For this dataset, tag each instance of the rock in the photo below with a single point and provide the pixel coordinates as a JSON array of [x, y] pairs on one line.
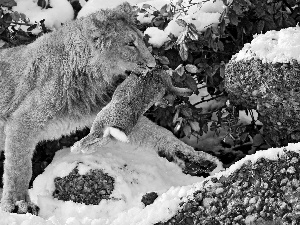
[[149, 198], [89, 188], [273, 90], [256, 193]]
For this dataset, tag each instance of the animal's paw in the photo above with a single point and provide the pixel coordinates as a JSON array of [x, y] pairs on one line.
[[199, 163], [20, 207], [192, 162]]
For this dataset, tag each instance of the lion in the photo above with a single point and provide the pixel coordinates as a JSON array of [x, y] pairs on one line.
[[60, 82]]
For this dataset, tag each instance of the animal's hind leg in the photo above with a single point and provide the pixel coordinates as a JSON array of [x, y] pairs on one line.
[[21, 138], [167, 145]]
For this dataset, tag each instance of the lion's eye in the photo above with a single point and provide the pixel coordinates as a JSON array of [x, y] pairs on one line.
[[95, 39], [131, 43]]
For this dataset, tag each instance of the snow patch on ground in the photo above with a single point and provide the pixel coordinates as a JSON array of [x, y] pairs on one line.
[[274, 46], [136, 171], [144, 165]]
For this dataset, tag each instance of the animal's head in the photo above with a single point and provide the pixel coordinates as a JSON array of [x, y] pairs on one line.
[[116, 43]]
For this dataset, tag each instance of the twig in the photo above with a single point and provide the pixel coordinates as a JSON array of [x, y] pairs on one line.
[[207, 100]]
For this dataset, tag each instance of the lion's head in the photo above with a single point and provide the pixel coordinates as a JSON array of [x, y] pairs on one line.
[[116, 44]]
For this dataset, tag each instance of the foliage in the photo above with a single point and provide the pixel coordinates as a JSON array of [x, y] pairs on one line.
[[15, 27], [195, 58], [199, 58]]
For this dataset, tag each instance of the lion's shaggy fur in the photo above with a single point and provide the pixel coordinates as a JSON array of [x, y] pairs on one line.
[[58, 84]]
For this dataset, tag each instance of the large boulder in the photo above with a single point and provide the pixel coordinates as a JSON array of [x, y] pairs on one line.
[[260, 189], [265, 75]]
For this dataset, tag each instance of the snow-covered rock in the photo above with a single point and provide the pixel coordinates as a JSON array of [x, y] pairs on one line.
[[264, 76], [260, 189]]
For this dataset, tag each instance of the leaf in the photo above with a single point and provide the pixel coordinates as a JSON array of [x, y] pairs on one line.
[[191, 68], [183, 51], [220, 45], [233, 19], [213, 126], [244, 137], [207, 33], [214, 46], [205, 128], [7, 18], [194, 125], [222, 69], [179, 2], [32, 27], [237, 8], [193, 35], [23, 16], [181, 22], [180, 70], [214, 30], [187, 130], [165, 9], [260, 26], [146, 6], [222, 27], [181, 38], [15, 16], [191, 83], [163, 60], [8, 3], [187, 112], [168, 44], [42, 3]]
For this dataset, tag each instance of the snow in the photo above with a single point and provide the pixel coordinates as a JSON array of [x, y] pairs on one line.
[[60, 12], [144, 167], [203, 15], [274, 46], [145, 172], [157, 37]]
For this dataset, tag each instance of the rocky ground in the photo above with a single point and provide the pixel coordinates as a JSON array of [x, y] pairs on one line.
[[264, 192]]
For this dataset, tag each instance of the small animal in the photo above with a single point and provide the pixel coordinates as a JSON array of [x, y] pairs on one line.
[[131, 99]]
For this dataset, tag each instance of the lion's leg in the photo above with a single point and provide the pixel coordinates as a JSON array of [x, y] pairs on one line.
[[167, 145], [22, 131], [2, 138]]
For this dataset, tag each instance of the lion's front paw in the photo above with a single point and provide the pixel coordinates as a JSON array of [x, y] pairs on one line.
[[20, 207]]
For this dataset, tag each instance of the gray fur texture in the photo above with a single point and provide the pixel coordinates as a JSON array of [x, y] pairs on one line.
[[131, 99]]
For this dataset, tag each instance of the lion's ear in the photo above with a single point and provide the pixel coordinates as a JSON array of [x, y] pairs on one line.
[[125, 8]]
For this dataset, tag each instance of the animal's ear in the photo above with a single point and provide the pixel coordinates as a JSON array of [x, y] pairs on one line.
[[116, 133], [125, 8]]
